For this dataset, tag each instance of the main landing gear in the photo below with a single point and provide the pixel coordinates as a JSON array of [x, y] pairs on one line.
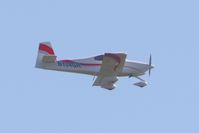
[[142, 82]]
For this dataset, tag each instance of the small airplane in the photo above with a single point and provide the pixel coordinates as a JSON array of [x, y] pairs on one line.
[[107, 67]]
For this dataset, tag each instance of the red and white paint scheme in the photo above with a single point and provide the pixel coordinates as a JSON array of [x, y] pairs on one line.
[[107, 67]]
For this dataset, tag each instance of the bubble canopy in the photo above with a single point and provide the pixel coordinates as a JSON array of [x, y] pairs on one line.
[[99, 57]]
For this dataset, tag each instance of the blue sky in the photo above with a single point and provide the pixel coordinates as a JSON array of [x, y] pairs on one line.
[[38, 101]]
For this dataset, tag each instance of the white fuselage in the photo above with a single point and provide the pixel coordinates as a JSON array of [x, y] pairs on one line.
[[92, 67]]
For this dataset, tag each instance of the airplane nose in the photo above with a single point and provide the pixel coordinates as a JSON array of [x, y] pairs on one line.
[[152, 66], [147, 66]]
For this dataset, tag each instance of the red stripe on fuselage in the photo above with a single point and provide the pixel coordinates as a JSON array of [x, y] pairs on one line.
[[67, 61], [83, 64], [46, 48]]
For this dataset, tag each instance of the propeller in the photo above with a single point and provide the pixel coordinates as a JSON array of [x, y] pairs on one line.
[[150, 64]]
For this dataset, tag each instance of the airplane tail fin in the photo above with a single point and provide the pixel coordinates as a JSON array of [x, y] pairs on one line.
[[45, 55]]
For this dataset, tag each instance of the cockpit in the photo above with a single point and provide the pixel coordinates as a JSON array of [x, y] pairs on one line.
[[99, 57]]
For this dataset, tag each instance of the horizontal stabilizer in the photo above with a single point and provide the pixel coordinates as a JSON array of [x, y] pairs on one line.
[[49, 59]]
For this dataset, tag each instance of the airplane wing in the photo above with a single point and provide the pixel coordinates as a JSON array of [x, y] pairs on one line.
[[112, 64]]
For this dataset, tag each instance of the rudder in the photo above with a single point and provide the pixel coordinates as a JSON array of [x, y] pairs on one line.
[[45, 54]]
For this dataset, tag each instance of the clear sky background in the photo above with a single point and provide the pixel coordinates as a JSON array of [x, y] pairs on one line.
[[39, 101]]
